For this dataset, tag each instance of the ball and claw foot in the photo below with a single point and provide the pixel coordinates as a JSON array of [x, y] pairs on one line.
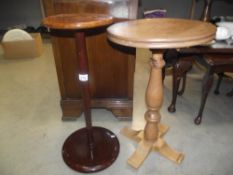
[[171, 108], [197, 120]]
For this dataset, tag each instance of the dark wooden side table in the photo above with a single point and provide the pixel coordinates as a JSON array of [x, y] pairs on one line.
[[157, 35], [89, 149]]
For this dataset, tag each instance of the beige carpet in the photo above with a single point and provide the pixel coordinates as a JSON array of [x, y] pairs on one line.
[[32, 133]]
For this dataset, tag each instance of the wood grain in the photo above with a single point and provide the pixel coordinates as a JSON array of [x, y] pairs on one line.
[[77, 21], [108, 62], [161, 33], [158, 34]]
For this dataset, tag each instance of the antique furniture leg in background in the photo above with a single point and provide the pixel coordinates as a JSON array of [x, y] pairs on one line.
[[206, 86], [180, 68], [220, 77]]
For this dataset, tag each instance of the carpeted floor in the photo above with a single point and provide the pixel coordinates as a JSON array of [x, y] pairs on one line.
[[32, 133]]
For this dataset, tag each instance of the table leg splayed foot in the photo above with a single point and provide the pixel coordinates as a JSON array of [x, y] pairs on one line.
[[151, 138]]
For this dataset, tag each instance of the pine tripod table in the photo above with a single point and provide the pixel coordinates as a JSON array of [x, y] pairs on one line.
[[157, 35], [89, 149]]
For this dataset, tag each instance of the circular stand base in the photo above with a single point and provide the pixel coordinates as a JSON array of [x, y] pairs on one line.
[[80, 156]]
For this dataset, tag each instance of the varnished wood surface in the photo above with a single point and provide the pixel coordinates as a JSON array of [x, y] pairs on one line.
[[106, 60], [161, 33], [118, 8], [158, 34], [79, 156], [77, 21]]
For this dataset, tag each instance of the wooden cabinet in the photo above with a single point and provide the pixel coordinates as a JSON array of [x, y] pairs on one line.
[[111, 66]]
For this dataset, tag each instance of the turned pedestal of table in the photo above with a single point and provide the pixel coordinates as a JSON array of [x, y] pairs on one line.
[[157, 35], [89, 149]]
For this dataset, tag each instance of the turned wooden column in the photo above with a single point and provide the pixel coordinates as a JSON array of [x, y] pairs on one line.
[[154, 97]]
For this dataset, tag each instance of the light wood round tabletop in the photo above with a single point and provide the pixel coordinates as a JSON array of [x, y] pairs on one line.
[[77, 21], [161, 33]]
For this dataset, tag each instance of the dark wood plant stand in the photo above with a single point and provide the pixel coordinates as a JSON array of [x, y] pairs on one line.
[[89, 149]]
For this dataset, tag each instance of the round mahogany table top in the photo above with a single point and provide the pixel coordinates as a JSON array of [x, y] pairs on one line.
[[159, 33], [77, 21]]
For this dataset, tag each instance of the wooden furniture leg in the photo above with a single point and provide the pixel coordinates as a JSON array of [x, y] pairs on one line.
[[176, 83], [180, 69], [151, 137], [207, 84], [216, 91], [181, 91], [220, 77]]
